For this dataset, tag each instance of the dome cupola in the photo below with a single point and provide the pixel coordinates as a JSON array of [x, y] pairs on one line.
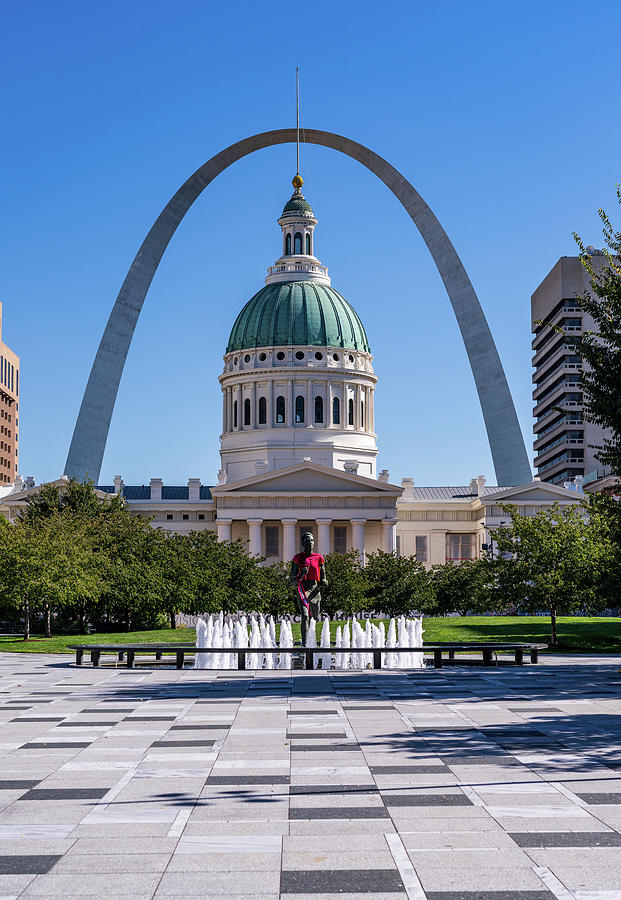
[[298, 380]]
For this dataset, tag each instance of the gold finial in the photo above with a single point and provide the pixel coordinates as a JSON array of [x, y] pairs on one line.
[[298, 181]]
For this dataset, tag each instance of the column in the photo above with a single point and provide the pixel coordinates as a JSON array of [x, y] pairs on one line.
[[224, 529], [329, 398], [389, 528], [289, 543], [229, 401], [372, 410], [357, 536], [344, 409], [240, 412], [254, 418], [357, 422], [224, 412], [323, 536], [254, 547], [271, 413], [310, 405]]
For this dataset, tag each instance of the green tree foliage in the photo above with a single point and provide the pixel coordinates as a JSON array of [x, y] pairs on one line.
[[347, 585], [554, 562], [600, 349], [398, 585], [463, 588]]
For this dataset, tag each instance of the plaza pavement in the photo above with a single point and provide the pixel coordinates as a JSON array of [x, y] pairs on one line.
[[494, 784]]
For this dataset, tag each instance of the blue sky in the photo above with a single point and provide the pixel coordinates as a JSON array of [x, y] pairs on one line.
[[504, 117]]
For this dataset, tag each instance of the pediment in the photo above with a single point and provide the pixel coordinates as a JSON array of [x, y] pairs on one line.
[[308, 478], [534, 492]]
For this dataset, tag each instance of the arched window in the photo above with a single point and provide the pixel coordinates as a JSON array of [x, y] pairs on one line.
[[262, 411], [246, 411], [336, 411], [234, 413], [318, 409], [350, 408], [288, 245], [308, 245], [362, 413], [280, 410], [297, 243], [299, 409]]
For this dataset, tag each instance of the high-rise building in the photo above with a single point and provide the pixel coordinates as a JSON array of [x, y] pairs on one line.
[[9, 411], [563, 439]]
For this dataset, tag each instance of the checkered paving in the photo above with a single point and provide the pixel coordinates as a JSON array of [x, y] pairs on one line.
[[459, 784]]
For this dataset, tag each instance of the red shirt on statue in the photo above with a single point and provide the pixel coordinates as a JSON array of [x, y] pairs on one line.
[[314, 563]]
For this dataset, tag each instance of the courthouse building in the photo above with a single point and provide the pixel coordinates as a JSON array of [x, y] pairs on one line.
[[298, 441]]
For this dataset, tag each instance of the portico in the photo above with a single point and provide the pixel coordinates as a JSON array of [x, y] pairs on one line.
[[343, 511]]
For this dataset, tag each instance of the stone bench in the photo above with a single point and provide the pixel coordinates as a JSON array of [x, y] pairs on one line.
[[128, 651]]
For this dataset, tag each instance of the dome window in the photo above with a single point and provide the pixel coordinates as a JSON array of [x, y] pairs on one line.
[[318, 355], [235, 414], [247, 358], [297, 244], [288, 245], [350, 358], [262, 411], [280, 355], [336, 411], [262, 356], [318, 410], [280, 410], [308, 245], [299, 410], [335, 357], [246, 411], [362, 414], [350, 411], [299, 355], [235, 361]]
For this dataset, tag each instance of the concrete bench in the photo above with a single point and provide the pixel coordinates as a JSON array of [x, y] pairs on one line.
[[128, 652]]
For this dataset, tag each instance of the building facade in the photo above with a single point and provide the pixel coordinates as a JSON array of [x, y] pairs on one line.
[[9, 412], [563, 439], [298, 442]]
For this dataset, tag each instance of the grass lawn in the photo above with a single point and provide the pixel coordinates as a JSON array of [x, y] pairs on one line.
[[579, 634]]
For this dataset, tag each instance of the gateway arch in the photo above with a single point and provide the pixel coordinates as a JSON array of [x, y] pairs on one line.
[[503, 430]]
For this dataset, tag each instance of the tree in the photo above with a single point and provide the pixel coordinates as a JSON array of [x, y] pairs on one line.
[[464, 587], [347, 585], [555, 561], [397, 585]]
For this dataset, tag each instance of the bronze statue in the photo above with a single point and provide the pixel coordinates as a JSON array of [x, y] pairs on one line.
[[308, 573]]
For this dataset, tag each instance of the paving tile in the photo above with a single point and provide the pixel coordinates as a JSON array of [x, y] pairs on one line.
[[341, 881], [567, 839], [65, 794], [26, 864], [335, 812], [601, 798]]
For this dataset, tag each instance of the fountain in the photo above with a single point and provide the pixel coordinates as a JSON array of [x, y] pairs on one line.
[[220, 633]]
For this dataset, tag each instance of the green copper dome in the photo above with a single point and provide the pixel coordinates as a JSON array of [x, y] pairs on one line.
[[297, 205], [293, 313]]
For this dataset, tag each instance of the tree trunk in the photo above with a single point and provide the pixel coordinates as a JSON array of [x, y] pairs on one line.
[[553, 627], [48, 620], [82, 618], [26, 621], [173, 618]]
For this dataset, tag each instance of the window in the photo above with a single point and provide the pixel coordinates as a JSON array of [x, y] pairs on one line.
[[459, 547], [280, 410], [185, 517], [271, 540], [288, 245], [350, 407], [340, 538], [247, 411], [308, 245], [299, 409], [318, 409], [234, 413], [336, 411], [262, 411], [362, 413], [299, 355], [201, 516], [169, 516], [421, 548], [297, 244]]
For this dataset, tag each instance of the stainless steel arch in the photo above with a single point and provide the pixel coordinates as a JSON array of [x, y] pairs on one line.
[[93, 422]]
